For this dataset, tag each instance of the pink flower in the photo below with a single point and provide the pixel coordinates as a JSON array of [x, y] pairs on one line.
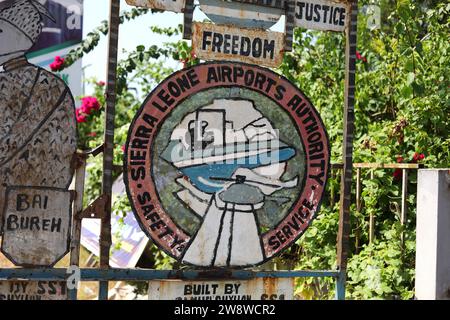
[[122, 148], [57, 64], [417, 157], [88, 104], [399, 159], [80, 115], [101, 83], [360, 57], [398, 173], [92, 134]]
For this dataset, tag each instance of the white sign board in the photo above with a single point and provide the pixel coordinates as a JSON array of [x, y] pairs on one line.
[[167, 5], [33, 290], [256, 289], [325, 15], [36, 226], [221, 42]]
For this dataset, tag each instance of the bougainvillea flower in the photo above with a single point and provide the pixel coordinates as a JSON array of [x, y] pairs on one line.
[[88, 104], [398, 174], [417, 157], [360, 57], [57, 64], [80, 115]]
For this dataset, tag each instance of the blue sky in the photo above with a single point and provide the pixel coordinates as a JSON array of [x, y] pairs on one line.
[[132, 33]]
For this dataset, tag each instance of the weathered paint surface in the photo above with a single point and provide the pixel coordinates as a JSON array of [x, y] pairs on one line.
[[256, 289], [36, 225], [168, 5], [221, 42], [214, 147], [33, 290], [326, 15], [241, 14], [37, 119]]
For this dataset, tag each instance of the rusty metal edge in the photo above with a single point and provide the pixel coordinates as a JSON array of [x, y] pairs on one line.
[[112, 274], [108, 152], [349, 128]]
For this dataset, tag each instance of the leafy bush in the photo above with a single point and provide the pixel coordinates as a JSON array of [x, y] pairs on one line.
[[402, 111]]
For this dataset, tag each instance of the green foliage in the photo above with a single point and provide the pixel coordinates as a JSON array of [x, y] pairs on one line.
[[402, 108]]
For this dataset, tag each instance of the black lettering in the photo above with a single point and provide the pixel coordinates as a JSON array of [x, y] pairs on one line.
[[174, 90], [238, 72], [226, 73], [165, 97], [193, 77], [226, 43], [34, 221], [274, 243], [41, 288], [144, 198], [260, 80], [45, 224], [22, 202], [11, 223], [256, 47], [316, 12], [299, 14], [217, 42], [342, 17], [325, 12], [212, 75], [206, 42], [280, 92], [159, 107], [245, 47], [157, 225], [235, 44], [138, 173], [56, 225], [249, 77], [269, 49], [287, 231], [150, 120], [309, 12]]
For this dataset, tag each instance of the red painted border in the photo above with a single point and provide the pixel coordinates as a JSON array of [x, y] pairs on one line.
[[142, 191]]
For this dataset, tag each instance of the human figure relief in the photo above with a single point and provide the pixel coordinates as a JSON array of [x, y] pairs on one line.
[[37, 118]]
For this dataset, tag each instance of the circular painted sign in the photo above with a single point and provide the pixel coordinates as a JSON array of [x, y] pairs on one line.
[[226, 164]]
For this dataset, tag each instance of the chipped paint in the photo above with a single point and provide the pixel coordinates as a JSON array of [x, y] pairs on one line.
[[33, 290], [224, 42], [37, 225], [168, 5], [255, 289]]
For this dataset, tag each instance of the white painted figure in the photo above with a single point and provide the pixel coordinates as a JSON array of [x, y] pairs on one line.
[[232, 161], [37, 119]]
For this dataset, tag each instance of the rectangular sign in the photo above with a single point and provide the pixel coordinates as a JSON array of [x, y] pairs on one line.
[[325, 15], [167, 5], [256, 289], [221, 42], [33, 290]]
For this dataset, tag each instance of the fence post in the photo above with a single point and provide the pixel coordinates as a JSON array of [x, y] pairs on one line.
[[433, 235], [349, 127], [105, 235]]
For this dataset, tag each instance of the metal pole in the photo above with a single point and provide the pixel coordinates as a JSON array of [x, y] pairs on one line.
[[404, 201], [76, 229], [105, 236], [349, 117]]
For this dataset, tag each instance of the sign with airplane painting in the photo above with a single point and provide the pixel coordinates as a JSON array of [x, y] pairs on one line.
[[226, 164]]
